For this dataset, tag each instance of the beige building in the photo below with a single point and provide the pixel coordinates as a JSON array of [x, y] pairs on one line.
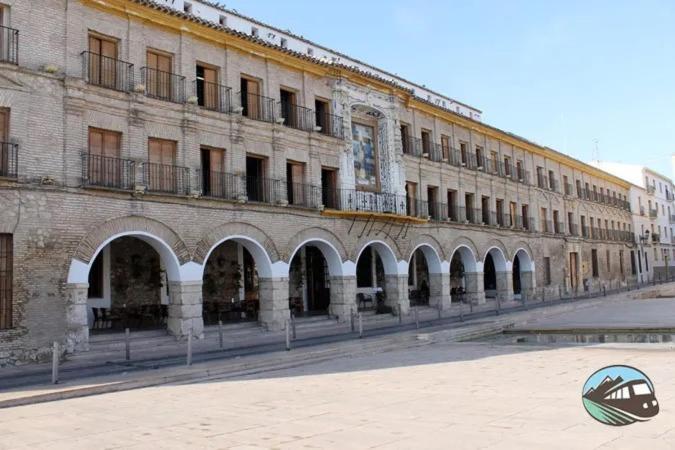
[[172, 166]]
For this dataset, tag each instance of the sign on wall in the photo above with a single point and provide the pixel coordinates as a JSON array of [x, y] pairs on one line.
[[365, 157]]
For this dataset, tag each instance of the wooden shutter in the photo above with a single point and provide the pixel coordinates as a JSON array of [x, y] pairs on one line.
[[158, 78], [6, 279], [105, 167], [161, 171], [253, 92], [211, 91], [217, 166]]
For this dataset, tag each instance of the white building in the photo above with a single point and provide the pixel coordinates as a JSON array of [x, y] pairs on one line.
[[652, 204]]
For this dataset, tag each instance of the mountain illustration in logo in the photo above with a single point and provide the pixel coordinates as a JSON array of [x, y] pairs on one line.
[[620, 395]]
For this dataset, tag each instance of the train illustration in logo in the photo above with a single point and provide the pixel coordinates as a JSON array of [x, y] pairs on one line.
[[620, 395]]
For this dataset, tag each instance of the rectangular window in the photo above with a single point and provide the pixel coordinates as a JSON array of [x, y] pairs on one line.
[[295, 184], [161, 171], [208, 90], [215, 182], [551, 180], [445, 146], [102, 63], [432, 202], [543, 218], [480, 162], [104, 165], [547, 271], [462, 151], [329, 193], [159, 81], [6, 280], [519, 171], [594, 263], [251, 100], [322, 116], [289, 109], [507, 166], [452, 205], [426, 142]]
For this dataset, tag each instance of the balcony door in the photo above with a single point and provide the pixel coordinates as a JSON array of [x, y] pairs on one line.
[[103, 162], [250, 98], [329, 192], [208, 92], [161, 170], [5, 147], [103, 62], [158, 78], [295, 183], [215, 182]]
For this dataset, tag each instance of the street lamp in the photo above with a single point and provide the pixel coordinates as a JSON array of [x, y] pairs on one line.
[[643, 238]]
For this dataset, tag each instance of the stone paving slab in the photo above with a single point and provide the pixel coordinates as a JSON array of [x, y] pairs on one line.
[[446, 395]]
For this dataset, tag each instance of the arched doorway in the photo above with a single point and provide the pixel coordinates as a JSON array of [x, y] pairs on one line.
[[466, 283], [232, 278], [378, 285], [523, 274], [308, 282], [418, 279], [128, 287], [497, 283]]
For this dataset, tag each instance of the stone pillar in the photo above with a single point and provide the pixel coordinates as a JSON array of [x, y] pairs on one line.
[[396, 291], [475, 291], [77, 323], [439, 290], [505, 286], [527, 284], [273, 294], [342, 297], [185, 309]]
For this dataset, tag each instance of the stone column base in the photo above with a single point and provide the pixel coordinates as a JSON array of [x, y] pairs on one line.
[[185, 309], [475, 292], [77, 323], [273, 294], [505, 286], [439, 290], [396, 290], [342, 298]]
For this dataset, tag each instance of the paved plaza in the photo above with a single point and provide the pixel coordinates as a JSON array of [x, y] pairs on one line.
[[455, 395]]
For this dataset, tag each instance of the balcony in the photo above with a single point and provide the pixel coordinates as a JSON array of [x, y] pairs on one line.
[[297, 117], [107, 172], [257, 107], [412, 146], [9, 160], [642, 211], [558, 227], [163, 85], [651, 189], [9, 45], [542, 182], [302, 195], [330, 125], [212, 96], [573, 229], [672, 218], [380, 202], [653, 213], [656, 238], [585, 231], [221, 185], [167, 179], [106, 72]]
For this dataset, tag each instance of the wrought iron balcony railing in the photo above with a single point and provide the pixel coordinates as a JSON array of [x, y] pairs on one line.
[[213, 96], [331, 125], [108, 172], [9, 160], [99, 70], [166, 178], [9, 45], [258, 107], [163, 85], [296, 116]]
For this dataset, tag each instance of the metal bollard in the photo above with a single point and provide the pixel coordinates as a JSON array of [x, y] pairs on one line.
[[220, 333], [417, 318], [288, 335], [351, 321], [55, 363], [440, 311], [189, 349], [360, 326], [127, 344], [293, 325], [400, 314], [604, 291]]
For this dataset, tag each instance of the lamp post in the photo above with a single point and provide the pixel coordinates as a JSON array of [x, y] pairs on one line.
[[643, 238]]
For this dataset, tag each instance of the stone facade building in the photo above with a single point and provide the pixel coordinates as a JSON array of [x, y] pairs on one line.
[[163, 165], [652, 199]]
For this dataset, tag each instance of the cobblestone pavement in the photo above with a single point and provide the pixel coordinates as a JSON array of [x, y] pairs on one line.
[[466, 395]]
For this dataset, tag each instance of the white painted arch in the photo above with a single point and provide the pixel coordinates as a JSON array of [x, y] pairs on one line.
[[525, 260], [388, 257], [78, 272], [498, 258], [471, 265], [329, 252], [434, 263], [264, 265]]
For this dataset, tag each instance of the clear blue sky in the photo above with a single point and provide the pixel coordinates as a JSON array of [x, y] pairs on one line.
[[562, 74]]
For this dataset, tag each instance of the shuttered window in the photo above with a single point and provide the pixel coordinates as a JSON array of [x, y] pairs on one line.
[[6, 263]]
